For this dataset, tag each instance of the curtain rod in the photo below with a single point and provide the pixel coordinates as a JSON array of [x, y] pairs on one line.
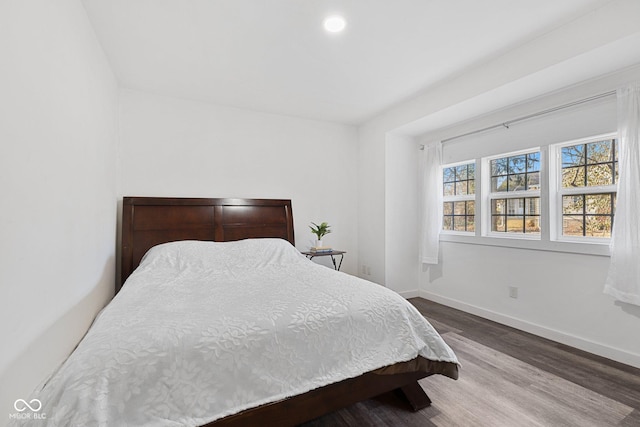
[[530, 116]]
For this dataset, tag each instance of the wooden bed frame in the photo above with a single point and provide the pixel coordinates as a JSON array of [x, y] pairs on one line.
[[149, 221]]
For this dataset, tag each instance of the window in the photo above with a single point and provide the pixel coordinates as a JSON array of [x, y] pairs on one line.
[[587, 180], [514, 196], [459, 188], [559, 197]]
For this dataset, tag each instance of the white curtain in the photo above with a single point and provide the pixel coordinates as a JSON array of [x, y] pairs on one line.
[[431, 203], [623, 280]]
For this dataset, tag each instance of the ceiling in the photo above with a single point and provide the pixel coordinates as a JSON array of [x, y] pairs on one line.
[[274, 56]]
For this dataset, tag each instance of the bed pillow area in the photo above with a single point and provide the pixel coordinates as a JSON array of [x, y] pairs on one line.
[[191, 255]]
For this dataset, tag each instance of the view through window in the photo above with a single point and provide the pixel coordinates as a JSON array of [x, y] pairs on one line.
[[588, 178], [515, 193], [582, 200], [459, 187]]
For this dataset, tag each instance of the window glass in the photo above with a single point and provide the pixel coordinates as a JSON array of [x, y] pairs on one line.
[[588, 215], [516, 215], [459, 216], [515, 173], [589, 212], [589, 165], [459, 180], [459, 197], [511, 212]]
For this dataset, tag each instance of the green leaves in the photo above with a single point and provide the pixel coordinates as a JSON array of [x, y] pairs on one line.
[[320, 230]]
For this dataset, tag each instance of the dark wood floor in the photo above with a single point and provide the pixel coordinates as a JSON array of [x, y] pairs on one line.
[[508, 378]]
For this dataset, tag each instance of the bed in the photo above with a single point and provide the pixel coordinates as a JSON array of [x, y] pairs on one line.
[[222, 322]]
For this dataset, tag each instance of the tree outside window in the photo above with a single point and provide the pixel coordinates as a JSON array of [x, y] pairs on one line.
[[588, 178], [512, 178]]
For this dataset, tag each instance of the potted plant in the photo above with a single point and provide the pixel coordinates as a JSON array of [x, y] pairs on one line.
[[320, 231]]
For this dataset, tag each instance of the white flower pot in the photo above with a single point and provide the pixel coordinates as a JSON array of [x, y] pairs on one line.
[[318, 243]]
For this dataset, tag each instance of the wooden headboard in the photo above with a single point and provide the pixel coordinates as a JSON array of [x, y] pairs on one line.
[[150, 221]]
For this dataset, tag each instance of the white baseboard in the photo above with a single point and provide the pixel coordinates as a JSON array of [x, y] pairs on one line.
[[410, 294], [558, 336]]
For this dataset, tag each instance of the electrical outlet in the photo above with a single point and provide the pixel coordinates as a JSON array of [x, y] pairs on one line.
[[513, 292], [368, 271]]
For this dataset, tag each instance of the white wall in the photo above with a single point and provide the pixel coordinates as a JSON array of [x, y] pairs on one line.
[[401, 215], [57, 173], [179, 148], [371, 200]]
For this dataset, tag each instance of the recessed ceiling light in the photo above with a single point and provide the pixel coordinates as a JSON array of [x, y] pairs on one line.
[[335, 24]]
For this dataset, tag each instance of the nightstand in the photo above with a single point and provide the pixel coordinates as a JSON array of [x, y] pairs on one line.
[[332, 254]]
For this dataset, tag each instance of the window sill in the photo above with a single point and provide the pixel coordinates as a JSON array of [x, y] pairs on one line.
[[586, 248]]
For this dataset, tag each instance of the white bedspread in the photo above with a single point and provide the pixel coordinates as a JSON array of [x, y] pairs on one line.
[[202, 330]]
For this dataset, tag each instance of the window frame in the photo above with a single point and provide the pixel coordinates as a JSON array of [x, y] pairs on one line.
[[550, 208], [489, 196], [460, 198], [557, 191]]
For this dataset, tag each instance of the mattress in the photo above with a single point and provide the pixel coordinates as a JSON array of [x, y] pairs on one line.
[[202, 330]]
